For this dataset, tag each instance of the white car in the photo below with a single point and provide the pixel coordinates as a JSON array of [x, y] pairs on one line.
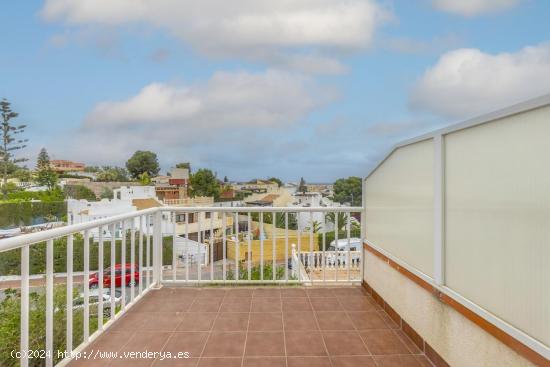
[[93, 300], [340, 250], [354, 244]]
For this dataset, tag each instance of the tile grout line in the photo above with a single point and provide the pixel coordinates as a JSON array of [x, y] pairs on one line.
[[247, 328], [284, 332], [355, 328], [320, 331], [169, 337], [211, 328]]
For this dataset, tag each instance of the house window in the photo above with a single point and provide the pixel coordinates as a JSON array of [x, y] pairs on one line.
[[180, 218], [207, 215], [192, 218]]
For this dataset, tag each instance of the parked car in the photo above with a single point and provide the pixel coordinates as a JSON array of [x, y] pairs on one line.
[[93, 301], [338, 252], [107, 276]]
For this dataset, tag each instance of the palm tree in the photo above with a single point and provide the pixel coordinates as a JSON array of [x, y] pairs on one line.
[[342, 219], [316, 226]]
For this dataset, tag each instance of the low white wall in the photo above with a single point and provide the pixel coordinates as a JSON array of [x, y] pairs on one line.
[[458, 340]]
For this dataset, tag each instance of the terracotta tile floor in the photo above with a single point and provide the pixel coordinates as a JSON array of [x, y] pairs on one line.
[[264, 327]]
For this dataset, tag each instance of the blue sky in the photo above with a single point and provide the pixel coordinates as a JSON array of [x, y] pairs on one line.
[[312, 88]]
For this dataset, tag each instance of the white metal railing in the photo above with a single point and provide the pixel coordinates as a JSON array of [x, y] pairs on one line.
[[240, 250]]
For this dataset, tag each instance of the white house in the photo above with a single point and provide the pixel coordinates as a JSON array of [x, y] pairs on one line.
[[129, 199], [307, 199]]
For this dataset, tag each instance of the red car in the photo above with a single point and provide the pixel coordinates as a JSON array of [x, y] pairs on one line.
[[94, 278]]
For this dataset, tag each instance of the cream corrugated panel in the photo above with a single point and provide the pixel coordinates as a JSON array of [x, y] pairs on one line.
[[498, 218], [399, 205]]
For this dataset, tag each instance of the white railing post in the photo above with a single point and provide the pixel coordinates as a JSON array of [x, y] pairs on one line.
[[85, 284], [24, 344], [69, 325], [100, 279], [293, 260], [49, 303], [439, 192], [157, 248]]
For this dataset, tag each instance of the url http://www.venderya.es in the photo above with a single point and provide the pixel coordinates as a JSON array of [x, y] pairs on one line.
[[98, 354]]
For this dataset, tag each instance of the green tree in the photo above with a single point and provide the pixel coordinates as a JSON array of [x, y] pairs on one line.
[[9, 168], [46, 176], [279, 219], [106, 193], [204, 183], [302, 186], [10, 142], [10, 310], [11, 188], [184, 165], [112, 174], [22, 174], [276, 180], [143, 161], [92, 169], [144, 178], [342, 219], [348, 190], [79, 192], [316, 226]]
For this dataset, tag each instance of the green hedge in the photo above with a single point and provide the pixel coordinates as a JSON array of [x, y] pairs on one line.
[[10, 261], [23, 213]]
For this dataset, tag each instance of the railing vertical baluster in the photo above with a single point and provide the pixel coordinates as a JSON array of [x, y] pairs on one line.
[[157, 249], [286, 246], [348, 260], [261, 245], [100, 279], [24, 342], [132, 259], [273, 234], [361, 250], [85, 284], [69, 325], [187, 247], [237, 245], [311, 264], [336, 257], [174, 247], [324, 258], [148, 249], [211, 246], [123, 266], [299, 234], [49, 303], [249, 252], [224, 243], [199, 255], [112, 275], [140, 255]]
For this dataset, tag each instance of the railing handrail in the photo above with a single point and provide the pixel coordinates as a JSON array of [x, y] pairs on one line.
[[32, 238], [12, 243], [264, 209]]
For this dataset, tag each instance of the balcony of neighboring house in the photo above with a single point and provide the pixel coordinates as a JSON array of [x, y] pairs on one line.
[[446, 263]]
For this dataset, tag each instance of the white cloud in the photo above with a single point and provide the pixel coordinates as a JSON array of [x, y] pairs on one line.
[[467, 82], [407, 45], [252, 29], [224, 113], [470, 8]]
